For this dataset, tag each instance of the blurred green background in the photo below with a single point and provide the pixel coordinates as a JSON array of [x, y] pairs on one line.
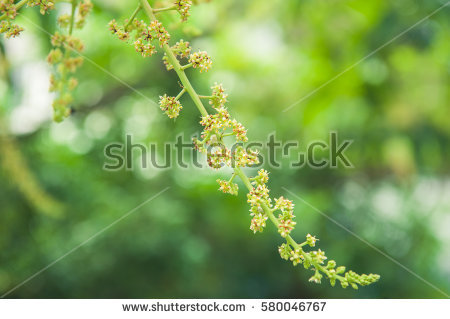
[[193, 241]]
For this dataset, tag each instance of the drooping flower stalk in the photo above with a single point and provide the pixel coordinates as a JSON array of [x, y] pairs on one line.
[[64, 58], [218, 125]]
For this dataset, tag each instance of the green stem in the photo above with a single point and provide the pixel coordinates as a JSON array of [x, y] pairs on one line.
[[184, 67], [227, 134], [207, 137], [180, 94], [164, 9], [21, 3], [72, 16], [232, 177], [133, 16], [238, 171]]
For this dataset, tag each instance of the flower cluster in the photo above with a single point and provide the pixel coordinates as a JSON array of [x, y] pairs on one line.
[[9, 29], [285, 225], [65, 58], [285, 251], [353, 279], [170, 105], [258, 222], [219, 157], [284, 204], [217, 100], [296, 256], [219, 97], [118, 31], [9, 11], [63, 64], [200, 60], [84, 8], [315, 259], [216, 122], [228, 187], [261, 178], [258, 197], [215, 127], [319, 256], [243, 157], [285, 218], [44, 5], [239, 131], [64, 20], [183, 7], [198, 145], [316, 278], [8, 8], [145, 49], [161, 33], [181, 49], [311, 240], [143, 34]]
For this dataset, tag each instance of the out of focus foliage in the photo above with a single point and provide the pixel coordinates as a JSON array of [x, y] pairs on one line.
[[192, 241]]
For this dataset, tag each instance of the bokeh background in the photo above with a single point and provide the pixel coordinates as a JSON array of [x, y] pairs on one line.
[[193, 241]]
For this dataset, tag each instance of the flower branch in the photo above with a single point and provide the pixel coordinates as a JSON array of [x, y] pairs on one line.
[[218, 125], [159, 10]]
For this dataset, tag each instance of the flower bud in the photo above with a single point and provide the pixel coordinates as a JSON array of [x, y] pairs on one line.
[[55, 56], [331, 264], [258, 223], [340, 270], [311, 240], [285, 251], [316, 278]]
